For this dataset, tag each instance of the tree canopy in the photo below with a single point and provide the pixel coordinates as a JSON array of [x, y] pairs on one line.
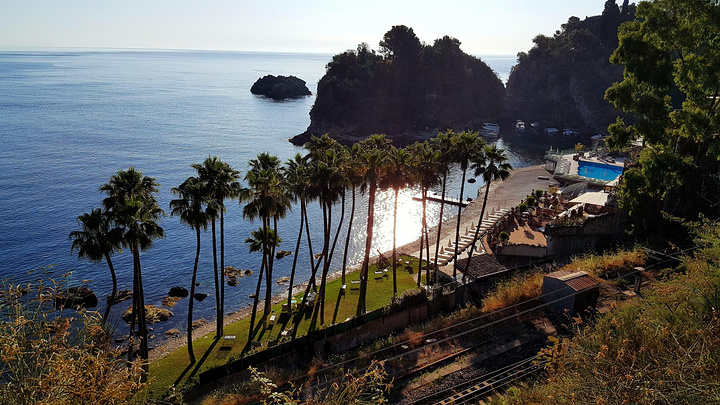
[[671, 85]]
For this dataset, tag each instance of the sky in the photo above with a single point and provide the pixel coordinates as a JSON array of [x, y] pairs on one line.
[[501, 27]]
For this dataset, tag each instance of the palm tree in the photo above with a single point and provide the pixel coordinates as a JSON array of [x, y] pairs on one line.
[[426, 164], [466, 145], [268, 200], [297, 183], [221, 182], [373, 161], [260, 240], [193, 195], [132, 205], [398, 176], [97, 240], [353, 173], [443, 144], [492, 164]]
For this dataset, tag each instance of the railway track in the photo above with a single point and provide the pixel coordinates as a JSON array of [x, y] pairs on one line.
[[484, 385]]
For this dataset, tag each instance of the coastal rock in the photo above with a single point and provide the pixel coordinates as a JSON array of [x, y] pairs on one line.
[[171, 333], [76, 297], [283, 280], [282, 253], [200, 296], [199, 323], [247, 272], [280, 87], [120, 296], [232, 281], [153, 314], [178, 292], [170, 301]]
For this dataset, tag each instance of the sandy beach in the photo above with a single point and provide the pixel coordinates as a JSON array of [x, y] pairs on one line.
[[501, 195]]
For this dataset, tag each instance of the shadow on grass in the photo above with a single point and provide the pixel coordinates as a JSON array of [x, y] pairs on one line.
[[253, 335], [196, 366], [337, 305]]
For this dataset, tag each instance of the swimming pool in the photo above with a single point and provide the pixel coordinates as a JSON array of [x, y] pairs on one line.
[[599, 171]]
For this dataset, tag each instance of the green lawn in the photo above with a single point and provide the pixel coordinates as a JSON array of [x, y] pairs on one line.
[[174, 368]]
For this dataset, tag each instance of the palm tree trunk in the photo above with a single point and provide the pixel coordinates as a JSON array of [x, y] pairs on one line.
[[142, 320], [297, 251], [133, 315], [256, 300], [191, 353], [457, 226], [423, 192], [439, 226], [477, 229], [111, 302], [394, 254], [222, 267], [349, 233], [368, 243], [218, 309], [327, 230], [269, 273], [427, 241]]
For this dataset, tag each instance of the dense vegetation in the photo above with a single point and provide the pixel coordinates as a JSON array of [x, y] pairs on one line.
[[671, 85], [561, 81], [407, 86]]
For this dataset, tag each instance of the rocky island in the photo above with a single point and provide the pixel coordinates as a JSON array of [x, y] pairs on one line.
[[406, 90], [280, 87]]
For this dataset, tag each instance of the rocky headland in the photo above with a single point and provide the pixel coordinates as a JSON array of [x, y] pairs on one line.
[[405, 90]]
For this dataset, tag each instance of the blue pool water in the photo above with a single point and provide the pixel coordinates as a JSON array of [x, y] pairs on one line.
[[599, 171]]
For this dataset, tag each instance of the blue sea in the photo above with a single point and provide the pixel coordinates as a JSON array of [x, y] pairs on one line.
[[69, 119]]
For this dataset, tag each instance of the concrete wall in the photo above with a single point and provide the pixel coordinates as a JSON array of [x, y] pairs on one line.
[[593, 233]]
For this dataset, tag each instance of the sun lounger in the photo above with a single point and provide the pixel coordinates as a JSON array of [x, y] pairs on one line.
[[272, 319]]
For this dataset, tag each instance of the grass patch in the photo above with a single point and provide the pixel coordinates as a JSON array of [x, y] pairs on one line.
[[174, 370], [519, 288]]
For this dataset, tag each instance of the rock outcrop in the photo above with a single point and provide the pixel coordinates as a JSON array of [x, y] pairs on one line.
[[74, 297], [178, 292], [280, 87], [153, 314]]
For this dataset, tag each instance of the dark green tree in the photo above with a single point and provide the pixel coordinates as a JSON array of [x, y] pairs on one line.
[[672, 87]]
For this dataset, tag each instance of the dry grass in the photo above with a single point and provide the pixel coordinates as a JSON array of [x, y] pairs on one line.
[[520, 288], [609, 265]]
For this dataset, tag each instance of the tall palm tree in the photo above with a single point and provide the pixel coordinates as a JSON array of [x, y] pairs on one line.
[[353, 173], [425, 165], [97, 241], [297, 182], [492, 164], [133, 207], [268, 200], [443, 144], [373, 162], [190, 207], [466, 145], [398, 176], [221, 182], [260, 240]]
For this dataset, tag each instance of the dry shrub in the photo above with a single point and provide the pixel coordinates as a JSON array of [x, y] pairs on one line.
[[47, 357], [519, 288], [413, 338]]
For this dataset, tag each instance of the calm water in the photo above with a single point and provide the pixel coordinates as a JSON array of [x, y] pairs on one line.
[[599, 171], [69, 120]]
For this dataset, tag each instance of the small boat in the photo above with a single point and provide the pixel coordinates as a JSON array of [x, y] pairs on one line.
[[551, 131], [519, 126], [569, 132], [535, 126], [490, 130]]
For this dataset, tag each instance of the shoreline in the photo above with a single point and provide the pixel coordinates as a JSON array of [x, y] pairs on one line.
[[501, 195]]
